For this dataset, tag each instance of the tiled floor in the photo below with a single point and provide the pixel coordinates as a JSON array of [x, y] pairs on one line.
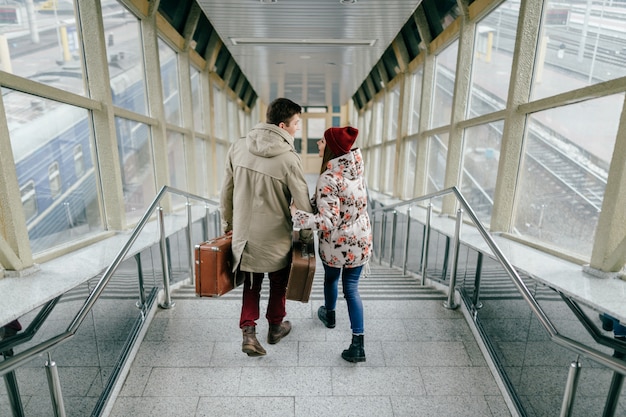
[[422, 360]]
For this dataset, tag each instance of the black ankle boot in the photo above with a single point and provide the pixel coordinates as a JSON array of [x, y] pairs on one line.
[[326, 316], [356, 351]]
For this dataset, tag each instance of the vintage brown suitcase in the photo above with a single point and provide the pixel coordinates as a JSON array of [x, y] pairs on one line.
[[302, 269], [214, 276]]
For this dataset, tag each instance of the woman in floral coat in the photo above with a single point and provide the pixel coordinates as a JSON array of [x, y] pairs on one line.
[[345, 235]]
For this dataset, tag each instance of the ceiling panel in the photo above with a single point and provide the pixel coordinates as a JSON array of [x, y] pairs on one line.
[[298, 68]]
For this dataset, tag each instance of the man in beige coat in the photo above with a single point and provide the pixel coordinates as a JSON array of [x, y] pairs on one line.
[[263, 174]]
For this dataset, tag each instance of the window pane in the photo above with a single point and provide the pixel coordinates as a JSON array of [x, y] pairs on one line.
[[134, 144], [221, 151], [437, 155], [170, 83], [367, 128], [564, 172], [416, 101], [218, 109], [45, 49], [314, 132], [393, 108], [60, 205], [377, 122], [126, 69], [373, 168], [201, 167], [410, 160], [196, 100], [579, 45], [445, 67], [176, 160], [233, 121], [493, 58], [481, 154], [390, 166]]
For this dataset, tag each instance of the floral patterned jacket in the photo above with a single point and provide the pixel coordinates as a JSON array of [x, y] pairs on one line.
[[345, 234]]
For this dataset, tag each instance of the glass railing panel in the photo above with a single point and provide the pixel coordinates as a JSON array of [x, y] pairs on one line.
[[90, 361], [416, 242], [86, 361], [534, 367]]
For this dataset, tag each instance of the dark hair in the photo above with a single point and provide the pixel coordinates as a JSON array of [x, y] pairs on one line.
[[281, 110], [328, 155]]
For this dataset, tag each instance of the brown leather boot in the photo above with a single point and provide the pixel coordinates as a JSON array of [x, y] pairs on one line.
[[250, 344], [277, 332]]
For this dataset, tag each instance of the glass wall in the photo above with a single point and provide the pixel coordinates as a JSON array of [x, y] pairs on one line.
[[585, 43], [56, 169], [137, 166], [196, 100], [54, 41], [170, 83], [559, 133], [437, 156], [494, 45], [564, 172], [126, 58], [481, 155], [445, 70]]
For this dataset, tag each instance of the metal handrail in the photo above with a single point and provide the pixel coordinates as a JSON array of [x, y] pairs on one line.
[[21, 358], [607, 360]]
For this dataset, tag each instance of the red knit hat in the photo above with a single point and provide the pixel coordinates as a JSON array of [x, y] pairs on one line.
[[340, 139]]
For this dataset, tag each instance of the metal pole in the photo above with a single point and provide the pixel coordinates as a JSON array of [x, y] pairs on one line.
[[142, 295], [429, 213], [383, 230], [207, 214], [394, 225], [570, 389], [406, 241], [165, 264], [450, 304], [613, 397], [190, 245], [10, 380], [216, 223], [479, 267], [54, 383]]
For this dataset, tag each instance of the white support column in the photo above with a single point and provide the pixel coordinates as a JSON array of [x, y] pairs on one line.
[[514, 123], [97, 69]]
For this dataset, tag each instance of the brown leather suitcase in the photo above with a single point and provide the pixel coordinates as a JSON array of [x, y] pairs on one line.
[[214, 276], [302, 269]]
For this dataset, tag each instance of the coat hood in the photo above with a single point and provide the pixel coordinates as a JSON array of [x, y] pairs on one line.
[[349, 165], [268, 140]]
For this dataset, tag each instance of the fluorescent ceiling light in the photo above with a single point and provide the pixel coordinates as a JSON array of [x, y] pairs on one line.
[[313, 42]]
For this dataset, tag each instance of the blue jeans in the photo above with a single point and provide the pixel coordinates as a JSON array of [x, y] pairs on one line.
[[350, 284]]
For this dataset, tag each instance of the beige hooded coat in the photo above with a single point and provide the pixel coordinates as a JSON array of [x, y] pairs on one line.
[[263, 173]]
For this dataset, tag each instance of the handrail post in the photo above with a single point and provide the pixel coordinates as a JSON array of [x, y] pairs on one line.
[[165, 264], [190, 244], [142, 295], [383, 231], [406, 241], [570, 389], [426, 242], [216, 222], [13, 391], [394, 225], [205, 222], [614, 393], [54, 383], [450, 304]]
